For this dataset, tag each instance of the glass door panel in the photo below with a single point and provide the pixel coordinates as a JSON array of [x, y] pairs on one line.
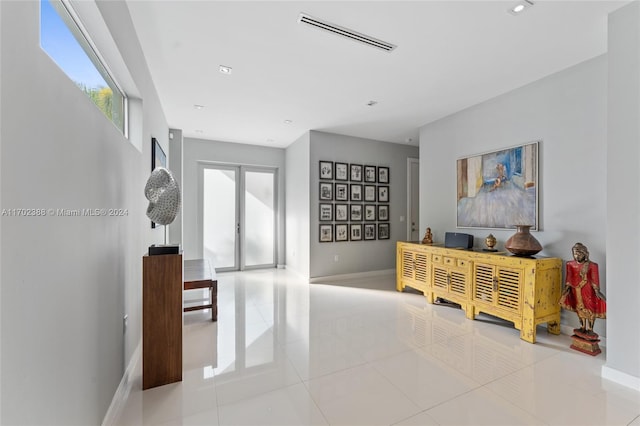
[[259, 218], [220, 217]]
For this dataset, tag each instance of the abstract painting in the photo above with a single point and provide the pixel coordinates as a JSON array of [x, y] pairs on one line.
[[498, 189]]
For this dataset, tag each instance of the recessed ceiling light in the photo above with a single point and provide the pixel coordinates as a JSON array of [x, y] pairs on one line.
[[520, 7], [270, 141], [372, 103], [198, 131], [288, 121], [225, 69], [198, 106]]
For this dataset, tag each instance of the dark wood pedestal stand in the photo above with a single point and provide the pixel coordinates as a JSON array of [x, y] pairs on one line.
[[585, 342], [161, 320]]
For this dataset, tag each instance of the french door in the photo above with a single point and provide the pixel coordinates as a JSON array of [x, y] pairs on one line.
[[238, 216]]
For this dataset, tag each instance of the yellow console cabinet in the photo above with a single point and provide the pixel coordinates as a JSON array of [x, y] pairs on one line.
[[522, 290], [413, 270]]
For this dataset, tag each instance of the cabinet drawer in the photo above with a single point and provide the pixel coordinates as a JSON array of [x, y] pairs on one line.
[[436, 258], [462, 263], [449, 261]]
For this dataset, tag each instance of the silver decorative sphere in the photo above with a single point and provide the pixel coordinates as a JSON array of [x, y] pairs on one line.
[[163, 194]]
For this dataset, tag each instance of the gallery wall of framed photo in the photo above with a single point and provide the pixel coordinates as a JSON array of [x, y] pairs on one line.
[[354, 202]]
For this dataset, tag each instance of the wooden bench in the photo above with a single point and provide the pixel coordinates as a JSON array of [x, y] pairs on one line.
[[198, 274]]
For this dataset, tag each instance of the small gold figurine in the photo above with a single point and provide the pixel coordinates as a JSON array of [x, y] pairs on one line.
[[428, 238], [490, 241]]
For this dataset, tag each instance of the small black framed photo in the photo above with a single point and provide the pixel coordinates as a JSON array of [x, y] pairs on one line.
[[383, 194], [356, 212], [370, 174], [342, 212], [342, 171], [370, 193], [342, 232], [326, 212], [356, 172], [326, 233], [370, 212], [383, 231], [326, 170], [383, 212], [356, 232], [341, 192], [369, 231], [356, 192], [326, 191], [383, 175]]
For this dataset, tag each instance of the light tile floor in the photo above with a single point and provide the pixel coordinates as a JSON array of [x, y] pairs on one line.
[[285, 352]]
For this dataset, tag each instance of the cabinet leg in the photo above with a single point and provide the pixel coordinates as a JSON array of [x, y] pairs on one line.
[[553, 327], [429, 297], [528, 334], [470, 312]]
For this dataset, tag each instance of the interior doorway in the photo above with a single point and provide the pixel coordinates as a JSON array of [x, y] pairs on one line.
[[238, 216], [413, 199]]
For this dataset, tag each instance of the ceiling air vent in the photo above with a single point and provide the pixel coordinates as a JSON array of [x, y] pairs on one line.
[[345, 32]]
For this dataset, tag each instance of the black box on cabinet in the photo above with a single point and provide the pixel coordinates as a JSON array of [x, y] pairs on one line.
[[458, 240]]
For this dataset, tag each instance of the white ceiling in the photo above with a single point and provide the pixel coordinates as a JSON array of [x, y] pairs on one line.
[[450, 55]]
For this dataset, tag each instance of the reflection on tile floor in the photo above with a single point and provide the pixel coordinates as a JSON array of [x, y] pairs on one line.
[[285, 352]]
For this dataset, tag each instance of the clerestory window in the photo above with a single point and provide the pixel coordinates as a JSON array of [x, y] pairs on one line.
[[65, 40]]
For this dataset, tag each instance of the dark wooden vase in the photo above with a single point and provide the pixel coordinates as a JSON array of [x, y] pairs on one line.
[[522, 243]]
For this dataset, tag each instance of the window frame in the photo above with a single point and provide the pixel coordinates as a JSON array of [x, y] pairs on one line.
[[74, 24]]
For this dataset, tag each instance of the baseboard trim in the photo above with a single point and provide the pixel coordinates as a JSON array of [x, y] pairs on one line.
[[124, 388], [621, 378], [281, 266], [353, 276]]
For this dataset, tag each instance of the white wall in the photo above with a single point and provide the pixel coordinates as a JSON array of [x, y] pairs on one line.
[[567, 112], [199, 150], [175, 165], [623, 198], [297, 211], [358, 256], [68, 281]]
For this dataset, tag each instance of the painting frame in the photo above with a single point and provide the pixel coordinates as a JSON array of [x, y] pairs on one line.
[[341, 171], [342, 232], [383, 174], [355, 172], [355, 192], [384, 231], [370, 174], [325, 233], [325, 213], [341, 212], [355, 213], [370, 193], [383, 212], [341, 192], [370, 211], [326, 191], [355, 232], [370, 231], [383, 194], [488, 180], [325, 170], [158, 159]]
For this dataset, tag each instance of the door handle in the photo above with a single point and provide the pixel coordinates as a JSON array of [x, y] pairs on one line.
[[238, 228]]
